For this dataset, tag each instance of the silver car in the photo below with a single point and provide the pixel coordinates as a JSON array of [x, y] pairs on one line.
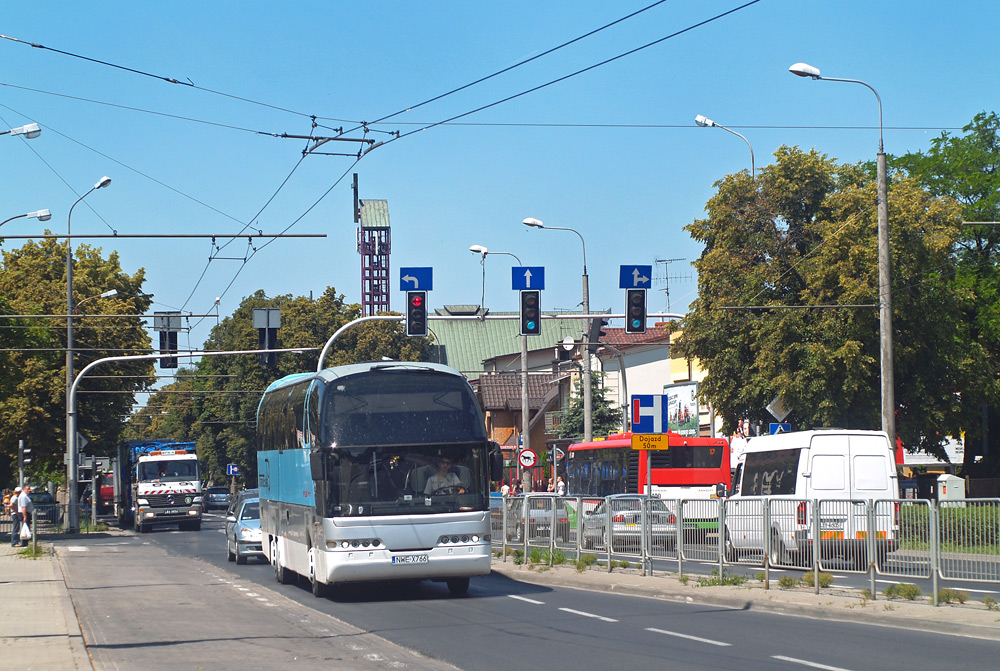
[[243, 530], [625, 511]]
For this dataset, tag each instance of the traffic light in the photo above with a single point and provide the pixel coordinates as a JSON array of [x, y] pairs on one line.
[[168, 346], [595, 333], [267, 338], [23, 456], [416, 313], [531, 316], [635, 311]]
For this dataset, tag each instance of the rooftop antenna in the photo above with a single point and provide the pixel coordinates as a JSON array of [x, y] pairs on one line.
[[666, 277]]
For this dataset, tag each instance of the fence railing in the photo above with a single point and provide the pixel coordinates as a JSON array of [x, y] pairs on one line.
[[906, 538], [48, 521]]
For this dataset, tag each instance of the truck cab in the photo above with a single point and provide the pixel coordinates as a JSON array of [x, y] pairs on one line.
[[167, 490]]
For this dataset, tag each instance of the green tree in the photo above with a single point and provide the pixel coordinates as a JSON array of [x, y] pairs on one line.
[[966, 168], [218, 406], [794, 244], [33, 354], [605, 419]]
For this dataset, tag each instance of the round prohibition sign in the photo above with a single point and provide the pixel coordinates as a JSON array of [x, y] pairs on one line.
[[528, 458]]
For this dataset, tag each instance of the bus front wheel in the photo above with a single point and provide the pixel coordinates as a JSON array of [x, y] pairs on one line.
[[458, 586]]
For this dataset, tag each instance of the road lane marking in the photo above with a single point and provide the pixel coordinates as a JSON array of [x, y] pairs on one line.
[[76, 548], [813, 665], [524, 598], [721, 644], [584, 614]]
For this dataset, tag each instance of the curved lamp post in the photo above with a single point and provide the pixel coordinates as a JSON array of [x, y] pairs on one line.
[[30, 131], [73, 511], [588, 425], [40, 215], [884, 292], [705, 122], [483, 251], [525, 404]]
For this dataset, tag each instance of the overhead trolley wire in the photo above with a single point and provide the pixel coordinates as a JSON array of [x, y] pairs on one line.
[[577, 72]]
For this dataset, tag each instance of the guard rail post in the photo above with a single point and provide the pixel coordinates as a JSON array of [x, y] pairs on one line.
[[933, 521], [871, 544], [680, 536], [608, 530], [721, 540], [646, 531], [815, 544], [552, 528], [766, 537], [503, 528]]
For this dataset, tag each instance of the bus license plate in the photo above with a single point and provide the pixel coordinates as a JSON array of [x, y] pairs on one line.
[[410, 559]]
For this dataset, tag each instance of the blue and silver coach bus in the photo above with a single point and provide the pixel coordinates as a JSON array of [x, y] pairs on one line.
[[375, 471]]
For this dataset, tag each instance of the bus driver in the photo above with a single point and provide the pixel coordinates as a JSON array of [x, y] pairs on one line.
[[443, 478]]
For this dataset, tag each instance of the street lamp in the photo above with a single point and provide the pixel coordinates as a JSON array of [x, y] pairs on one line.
[[483, 251], [73, 512], [106, 294], [30, 131], [40, 215], [525, 403], [588, 425], [705, 122], [884, 293]]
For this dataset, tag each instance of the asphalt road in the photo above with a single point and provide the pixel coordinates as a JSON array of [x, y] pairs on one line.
[[500, 624]]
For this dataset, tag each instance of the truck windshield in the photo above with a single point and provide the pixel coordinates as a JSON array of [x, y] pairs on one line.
[[168, 470]]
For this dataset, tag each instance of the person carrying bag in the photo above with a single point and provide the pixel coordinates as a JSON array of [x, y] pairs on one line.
[[27, 508]]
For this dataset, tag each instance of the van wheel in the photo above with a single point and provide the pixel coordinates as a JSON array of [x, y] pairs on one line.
[[731, 553], [777, 555]]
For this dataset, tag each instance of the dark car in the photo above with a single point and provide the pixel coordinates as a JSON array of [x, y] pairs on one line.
[[47, 511], [216, 498]]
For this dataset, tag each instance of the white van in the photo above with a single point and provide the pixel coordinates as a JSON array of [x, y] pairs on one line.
[[841, 473]]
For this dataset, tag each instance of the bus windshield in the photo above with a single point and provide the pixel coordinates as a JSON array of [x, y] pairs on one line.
[[403, 442]]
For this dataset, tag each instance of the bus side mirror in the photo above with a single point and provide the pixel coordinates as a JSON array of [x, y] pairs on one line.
[[496, 461], [720, 491], [316, 465]]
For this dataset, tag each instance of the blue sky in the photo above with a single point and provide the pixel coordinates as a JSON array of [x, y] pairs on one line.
[[612, 152]]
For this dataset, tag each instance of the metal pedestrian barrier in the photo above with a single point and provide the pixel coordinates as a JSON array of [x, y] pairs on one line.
[[902, 538]]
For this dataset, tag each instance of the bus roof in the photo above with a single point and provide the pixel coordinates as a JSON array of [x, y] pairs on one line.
[[329, 374]]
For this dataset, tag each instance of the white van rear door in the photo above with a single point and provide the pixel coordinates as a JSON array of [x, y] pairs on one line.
[[871, 478], [829, 482]]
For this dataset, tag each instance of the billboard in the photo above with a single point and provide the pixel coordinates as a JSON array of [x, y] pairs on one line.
[[682, 413]]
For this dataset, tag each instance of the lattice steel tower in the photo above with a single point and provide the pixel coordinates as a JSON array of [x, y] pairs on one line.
[[374, 245]]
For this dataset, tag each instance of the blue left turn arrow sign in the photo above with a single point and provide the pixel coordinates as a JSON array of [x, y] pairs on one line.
[[416, 279]]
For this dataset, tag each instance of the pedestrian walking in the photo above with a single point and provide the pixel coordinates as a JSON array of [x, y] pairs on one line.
[[26, 508], [15, 518], [560, 486]]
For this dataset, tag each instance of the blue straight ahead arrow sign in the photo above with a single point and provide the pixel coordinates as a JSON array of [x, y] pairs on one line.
[[635, 277], [416, 279], [523, 278]]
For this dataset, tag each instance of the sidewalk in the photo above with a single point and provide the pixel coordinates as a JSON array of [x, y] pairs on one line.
[[38, 624]]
